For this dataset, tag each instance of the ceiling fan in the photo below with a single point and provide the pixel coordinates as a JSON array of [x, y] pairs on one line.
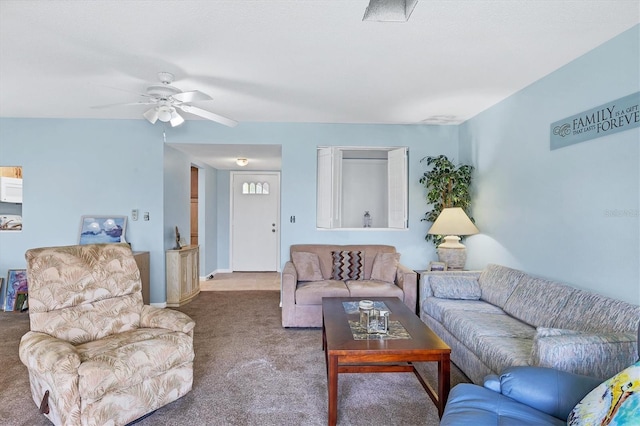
[[166, 100]]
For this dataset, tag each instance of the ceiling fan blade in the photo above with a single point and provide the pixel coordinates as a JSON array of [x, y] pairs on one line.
[[192, 96], [122, 104], [208, 115], [126, 91]]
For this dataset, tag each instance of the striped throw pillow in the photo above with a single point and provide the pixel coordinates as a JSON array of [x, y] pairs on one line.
[[347, 265]]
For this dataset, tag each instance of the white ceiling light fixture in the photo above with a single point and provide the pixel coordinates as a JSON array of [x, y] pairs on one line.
[[242, 162], [151, 115], [389, 10], [176, 119], [164, 113]]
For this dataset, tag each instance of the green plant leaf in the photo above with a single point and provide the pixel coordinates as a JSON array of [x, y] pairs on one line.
[[447, 185]]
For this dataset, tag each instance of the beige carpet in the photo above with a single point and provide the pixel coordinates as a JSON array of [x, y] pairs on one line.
[[248, 370]]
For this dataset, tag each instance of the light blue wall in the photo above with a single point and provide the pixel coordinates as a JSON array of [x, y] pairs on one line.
[[224, 220], [548, 212], [177, 195], [298, 178], [208, 219], [538, 210], [83, 167], [73, 168]]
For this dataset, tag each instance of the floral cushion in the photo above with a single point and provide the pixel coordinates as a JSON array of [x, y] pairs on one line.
[[347, 265], [125, 359], [86, 346], [614, 402], [83, 293]]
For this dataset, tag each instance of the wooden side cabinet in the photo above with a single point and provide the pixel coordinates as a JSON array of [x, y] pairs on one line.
[[183, 275], [142, 259]]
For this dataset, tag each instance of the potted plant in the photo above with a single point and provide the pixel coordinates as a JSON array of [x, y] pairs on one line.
[[447, 185]]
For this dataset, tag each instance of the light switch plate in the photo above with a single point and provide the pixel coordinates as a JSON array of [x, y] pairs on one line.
[[134, 214]]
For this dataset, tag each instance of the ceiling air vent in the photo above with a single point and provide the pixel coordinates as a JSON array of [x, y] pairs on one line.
[[389, 10]]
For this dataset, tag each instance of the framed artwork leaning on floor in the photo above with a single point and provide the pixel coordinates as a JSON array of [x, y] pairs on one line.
[[16, 283], [22, 302]]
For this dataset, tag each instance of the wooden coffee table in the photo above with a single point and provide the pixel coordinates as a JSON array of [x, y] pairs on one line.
[[344, 354]]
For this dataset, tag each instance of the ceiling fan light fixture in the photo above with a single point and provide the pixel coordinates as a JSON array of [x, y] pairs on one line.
[[176, 119], [166, 100], [151, 115], [242, 162], [164, 113]]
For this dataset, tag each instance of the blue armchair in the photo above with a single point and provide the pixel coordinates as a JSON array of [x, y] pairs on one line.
[[541, 396], [520, 396]]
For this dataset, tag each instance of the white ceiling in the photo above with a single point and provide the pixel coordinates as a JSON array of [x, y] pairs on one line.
[[224, 156], [292, 60]]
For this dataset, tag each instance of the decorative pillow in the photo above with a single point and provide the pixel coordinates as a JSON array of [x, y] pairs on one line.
[[347, 265], [307, 266], [452, 287], [385, 266], [614, 402]]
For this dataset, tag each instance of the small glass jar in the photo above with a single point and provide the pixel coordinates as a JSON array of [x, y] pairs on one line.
[[365, 307], [383, 322], [372, 325]]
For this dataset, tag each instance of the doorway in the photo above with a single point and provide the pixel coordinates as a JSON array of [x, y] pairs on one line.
[[194, 206], [255, 221]]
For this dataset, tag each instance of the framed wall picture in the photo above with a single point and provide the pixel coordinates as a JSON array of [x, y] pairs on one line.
[[16, 283], [102, 229], [437, 266]]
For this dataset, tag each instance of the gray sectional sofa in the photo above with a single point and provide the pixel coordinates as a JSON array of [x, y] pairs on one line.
[[314, 272], [502, 317]]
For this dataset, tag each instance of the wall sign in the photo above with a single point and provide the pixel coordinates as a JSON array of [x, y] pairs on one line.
[[613, 117]]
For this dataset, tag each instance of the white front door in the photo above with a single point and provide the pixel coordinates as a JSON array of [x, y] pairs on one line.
[[255, 221]]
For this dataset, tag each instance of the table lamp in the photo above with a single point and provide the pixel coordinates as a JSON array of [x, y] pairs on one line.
[[451, 223]]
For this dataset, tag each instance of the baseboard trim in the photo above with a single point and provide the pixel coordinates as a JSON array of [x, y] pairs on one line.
[[159, 305], [216, 271]]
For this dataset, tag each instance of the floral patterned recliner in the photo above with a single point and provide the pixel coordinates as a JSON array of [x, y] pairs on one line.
[[96, 354]]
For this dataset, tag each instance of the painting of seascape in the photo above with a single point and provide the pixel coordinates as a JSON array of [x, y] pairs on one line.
[[102, 229]]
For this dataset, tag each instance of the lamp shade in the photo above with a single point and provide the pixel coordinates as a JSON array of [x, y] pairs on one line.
[[176, 119], [151, 115], [453, 221]]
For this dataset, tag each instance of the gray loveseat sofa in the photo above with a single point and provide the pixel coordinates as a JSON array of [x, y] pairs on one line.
[[324, 270], [502, 317]]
